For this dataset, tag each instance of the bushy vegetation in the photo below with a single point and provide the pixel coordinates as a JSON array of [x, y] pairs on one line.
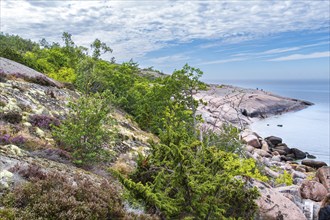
[[189, 173], [86, 132], [55, 196], [284, 178]]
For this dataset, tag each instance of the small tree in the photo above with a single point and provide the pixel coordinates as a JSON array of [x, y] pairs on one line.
[[87, 130]]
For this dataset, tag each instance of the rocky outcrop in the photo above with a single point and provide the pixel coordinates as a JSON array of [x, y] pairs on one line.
[[238, 106], [252, 140], [313, 190], [16, 70], [298, 153], [274, 140], [313, 163], [323, 174], [273, 205]]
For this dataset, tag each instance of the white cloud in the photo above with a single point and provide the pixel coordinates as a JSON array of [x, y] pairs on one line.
[[302, 56], [168, 59], [281, 50], [222, 61], [134, 28]]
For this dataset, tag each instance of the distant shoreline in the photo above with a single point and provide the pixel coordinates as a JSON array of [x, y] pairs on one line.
[[242, 106]]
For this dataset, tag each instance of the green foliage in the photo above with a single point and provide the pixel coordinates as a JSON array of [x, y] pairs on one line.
[[7, 214], [87, 132], [227, 140], [99, 48], [64, 74], [284, 178], [193, 180], [175, 91]]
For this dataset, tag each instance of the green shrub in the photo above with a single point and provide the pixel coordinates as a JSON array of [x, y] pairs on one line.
[[284, 178], [86, 131], [64, 74]]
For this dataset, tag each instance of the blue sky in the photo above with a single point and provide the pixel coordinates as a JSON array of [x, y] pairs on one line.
[[259, 39]]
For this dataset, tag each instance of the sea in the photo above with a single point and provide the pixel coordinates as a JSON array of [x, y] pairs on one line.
[[307, 129]]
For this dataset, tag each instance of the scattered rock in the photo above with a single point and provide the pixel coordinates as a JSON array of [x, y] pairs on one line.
[[282, 147], [298, 181], [281, 152], [298, 174], [274, 140], [324, 213], [5, 178], [300, 169], [310, 156], [313, 190], [311, 209], [263, 153], [252, 140], [275, 153], [249, 148], [274, 206], [323, 174], [290, 155], [307, 168], [285, 158], [271, 173], [313, 163], [298, 154], [276, 158], [264, 145]]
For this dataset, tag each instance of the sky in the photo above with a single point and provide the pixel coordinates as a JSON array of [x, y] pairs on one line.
[[250, 39]]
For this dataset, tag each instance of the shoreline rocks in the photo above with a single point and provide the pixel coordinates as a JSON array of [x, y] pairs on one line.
[[311, 180]]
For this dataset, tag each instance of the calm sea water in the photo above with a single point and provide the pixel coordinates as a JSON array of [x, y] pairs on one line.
[[307, 129]]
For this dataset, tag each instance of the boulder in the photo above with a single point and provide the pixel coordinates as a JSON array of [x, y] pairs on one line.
[[298, 154], [314, 163], [275, 153], [323, 174], [264, 145], [313, 190], [252, 140], [249, 148], [285, 158], [270, 145], [271, 173], [262, 153], [298, 181], [290, 155], [302, 168], [310, 156], [273, 205], [298, 174], [245, 133], [311, 209], [281, 152], [274, 140], [276, 158], [324, 213], [282, 147]]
